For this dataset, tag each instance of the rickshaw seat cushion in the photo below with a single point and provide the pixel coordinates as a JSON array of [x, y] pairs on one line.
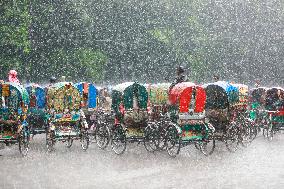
[[135, 117]]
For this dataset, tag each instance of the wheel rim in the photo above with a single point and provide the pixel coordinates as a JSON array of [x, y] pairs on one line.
[[69, 143], [151, 138], [207, 146], [232, 139], [84, 141], [253, 133], [24, 144], [161, 142], [49, 142], [92, 136], [102, 136], [270, 133], [245, 137], [118, 140], [173, 142], [264, 132]]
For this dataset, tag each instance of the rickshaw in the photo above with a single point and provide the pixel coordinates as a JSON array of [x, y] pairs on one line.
[[274, 107], [189, 124], [257, 104], [96, 116], [158, 99], [37, 116], [89, 93], [221, 112], [129, 104], [158, 108], [14, 128], [247, 128], [67, 121]]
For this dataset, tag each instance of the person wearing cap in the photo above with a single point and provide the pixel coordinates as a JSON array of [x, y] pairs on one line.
[[52, 80], [257, 83], [181, 77], [216, 78]]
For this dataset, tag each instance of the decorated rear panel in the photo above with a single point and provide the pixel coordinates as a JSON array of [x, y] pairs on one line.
[[64, 97]]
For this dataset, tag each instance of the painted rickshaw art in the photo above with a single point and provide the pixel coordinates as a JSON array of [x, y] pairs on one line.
[[257, 103], [129, 103], [158, 99], [274, 108], [158, 107], [220, 110], [37, 114], [14, 128], [243, 95], [189, 125], [247, 128], [67, 121], [89, 94], [99, 131]]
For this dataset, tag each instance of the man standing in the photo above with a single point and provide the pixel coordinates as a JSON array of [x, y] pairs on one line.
[[216, 78], [181, 77]]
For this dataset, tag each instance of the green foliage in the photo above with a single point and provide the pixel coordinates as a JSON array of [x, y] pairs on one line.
[[81, 64], [141, 40], [14, 25], [93, 61], [163, 35]]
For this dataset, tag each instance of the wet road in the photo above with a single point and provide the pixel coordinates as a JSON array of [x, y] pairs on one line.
[[261, 165]]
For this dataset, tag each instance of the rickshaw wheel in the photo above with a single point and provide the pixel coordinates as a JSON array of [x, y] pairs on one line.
[[265, 132], [161, 141], [253, 132], [24, 140], [232, 138], [197, 145], [92, 135], [102, 136], [84, 140], [69, 142], [270, 132], [173, 141], [50, 141], [118, 142], [245, 136], [207, 146], [151, 136]]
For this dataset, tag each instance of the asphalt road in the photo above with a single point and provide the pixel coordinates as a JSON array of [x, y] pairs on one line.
[[261, 165]]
